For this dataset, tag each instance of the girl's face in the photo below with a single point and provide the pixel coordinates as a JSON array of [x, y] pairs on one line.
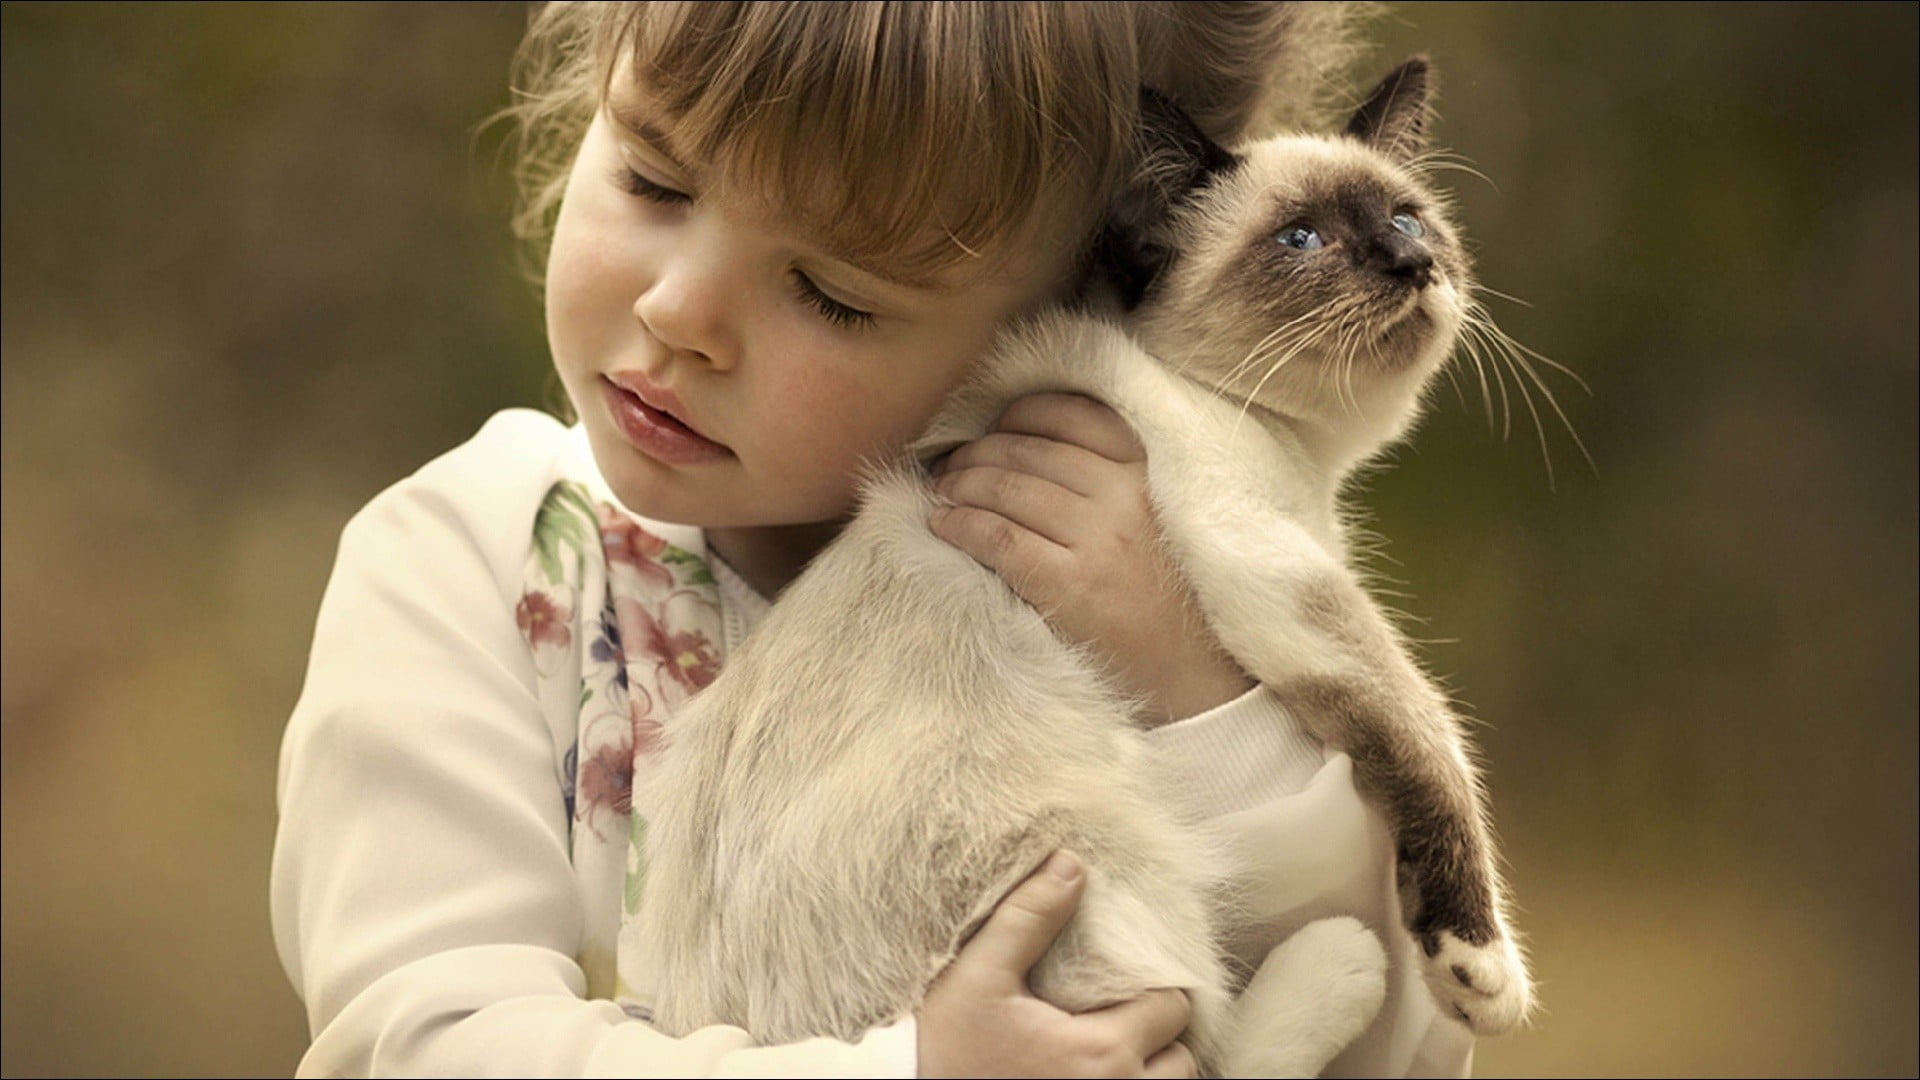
[[728, 371]]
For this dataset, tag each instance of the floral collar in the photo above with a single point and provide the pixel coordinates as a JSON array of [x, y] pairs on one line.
[[623, 627]]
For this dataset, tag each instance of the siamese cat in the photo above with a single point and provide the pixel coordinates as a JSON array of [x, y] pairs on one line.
[[903, 739]]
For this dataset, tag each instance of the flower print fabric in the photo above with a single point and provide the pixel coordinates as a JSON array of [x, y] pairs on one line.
[[623, 628]]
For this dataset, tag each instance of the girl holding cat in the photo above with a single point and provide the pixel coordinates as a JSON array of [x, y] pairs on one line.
[[775, 251]]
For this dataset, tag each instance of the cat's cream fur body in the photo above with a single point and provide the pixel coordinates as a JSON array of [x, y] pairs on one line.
[[904, 738]]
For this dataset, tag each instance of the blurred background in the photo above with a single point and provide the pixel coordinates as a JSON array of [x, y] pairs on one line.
[[256, 269]]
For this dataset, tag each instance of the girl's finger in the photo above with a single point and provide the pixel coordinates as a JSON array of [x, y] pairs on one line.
[[1071, 418], [1022, 558], [1025, 922], [1028, 501], [1151, 1021], [1075, 468], [1175, 1062]]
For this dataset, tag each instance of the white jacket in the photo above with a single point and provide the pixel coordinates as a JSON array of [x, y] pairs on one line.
[[424, 903]]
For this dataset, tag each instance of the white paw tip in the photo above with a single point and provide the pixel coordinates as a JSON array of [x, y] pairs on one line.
[[1346, 937], [1485, 986]]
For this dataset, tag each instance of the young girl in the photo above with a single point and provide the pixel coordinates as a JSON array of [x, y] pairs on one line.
[[783, 231]]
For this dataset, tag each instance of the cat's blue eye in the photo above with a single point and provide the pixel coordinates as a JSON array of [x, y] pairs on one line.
[[1410, 225], [1300, 238]]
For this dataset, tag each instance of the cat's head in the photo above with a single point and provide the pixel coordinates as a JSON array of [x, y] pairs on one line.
[[1319, 276]]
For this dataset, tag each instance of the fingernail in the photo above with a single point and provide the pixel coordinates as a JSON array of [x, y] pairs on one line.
[[1064, 865]]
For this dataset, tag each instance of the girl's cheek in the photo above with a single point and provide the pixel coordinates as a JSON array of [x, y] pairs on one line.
[[587, 283]]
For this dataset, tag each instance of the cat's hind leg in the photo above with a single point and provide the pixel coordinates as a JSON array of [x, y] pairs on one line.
[[1315, 993]]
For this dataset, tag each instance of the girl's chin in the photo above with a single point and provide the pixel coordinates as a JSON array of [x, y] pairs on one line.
[[713, 496]]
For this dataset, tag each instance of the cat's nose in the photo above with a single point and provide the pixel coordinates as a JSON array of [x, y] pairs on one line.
[[1404, 258], [1414, 266]]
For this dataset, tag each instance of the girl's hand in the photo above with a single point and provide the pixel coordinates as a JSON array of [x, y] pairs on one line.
[[979, 1018], [1054, 500]]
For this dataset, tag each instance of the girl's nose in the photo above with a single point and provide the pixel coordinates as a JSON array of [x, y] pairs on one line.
[[685, 309]]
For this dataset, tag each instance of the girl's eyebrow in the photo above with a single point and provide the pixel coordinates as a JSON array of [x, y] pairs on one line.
[[637, 125], [918, 282]]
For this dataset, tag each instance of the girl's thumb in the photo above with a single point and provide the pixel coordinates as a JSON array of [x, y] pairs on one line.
[[1027, 919]]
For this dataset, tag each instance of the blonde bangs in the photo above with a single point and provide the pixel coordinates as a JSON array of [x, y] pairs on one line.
[[906, 137]]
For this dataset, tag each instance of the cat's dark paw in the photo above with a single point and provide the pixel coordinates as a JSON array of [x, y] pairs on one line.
[[1484, 986]]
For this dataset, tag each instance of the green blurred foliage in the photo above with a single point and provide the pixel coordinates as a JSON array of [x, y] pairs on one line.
[[256, 268]]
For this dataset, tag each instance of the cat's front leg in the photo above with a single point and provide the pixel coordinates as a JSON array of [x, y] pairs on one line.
[[1452, 898], [1296, 619]]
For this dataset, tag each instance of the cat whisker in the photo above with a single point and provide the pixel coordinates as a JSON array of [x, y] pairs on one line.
[[1522, 350], [1460, 167], [1273, 368], [1471, 340], [1539, 428], [1508, 297], [1353, 335], [1516, 356], [1348, 363], [1479, 313], [1336, 350], [1452, 373], [1180, 365], [1437, 160], [1287, 339], [1241, 367], [1246, 403], [1259, 360], [1473, 351], [1274, 339]]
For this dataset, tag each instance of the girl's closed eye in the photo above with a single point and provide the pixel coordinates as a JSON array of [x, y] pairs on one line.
[[629, 178], [634, 183], [834, 311]]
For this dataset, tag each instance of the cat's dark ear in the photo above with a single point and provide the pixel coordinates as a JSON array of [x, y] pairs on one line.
[[1173, 159], [1396, 115]]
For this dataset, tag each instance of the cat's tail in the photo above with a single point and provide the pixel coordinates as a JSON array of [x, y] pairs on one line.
[[1315, 993]]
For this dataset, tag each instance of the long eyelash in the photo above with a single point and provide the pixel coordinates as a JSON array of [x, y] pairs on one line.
[[634, 184], [832, 310]]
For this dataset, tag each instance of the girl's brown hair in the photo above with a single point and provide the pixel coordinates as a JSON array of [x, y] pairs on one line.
[[923, 133]]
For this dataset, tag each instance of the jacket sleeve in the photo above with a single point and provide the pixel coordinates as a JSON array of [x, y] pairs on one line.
[[1305, 845], [423, 900]]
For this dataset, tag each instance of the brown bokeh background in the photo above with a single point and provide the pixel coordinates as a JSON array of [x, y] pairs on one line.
[[255, 269]]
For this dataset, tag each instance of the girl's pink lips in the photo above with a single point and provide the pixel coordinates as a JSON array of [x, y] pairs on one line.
[[657, 398], [649, 417]]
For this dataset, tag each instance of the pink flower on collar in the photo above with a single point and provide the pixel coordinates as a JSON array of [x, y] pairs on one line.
[[543, 621], [668, 644], [630, 546]]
